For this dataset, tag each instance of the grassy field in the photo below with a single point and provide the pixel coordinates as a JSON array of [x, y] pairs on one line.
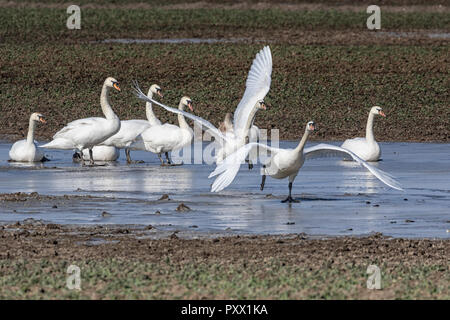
[[327, 66], [124, 279], [130, 265]]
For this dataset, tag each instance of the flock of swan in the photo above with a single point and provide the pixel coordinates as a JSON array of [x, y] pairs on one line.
[[98, 139]]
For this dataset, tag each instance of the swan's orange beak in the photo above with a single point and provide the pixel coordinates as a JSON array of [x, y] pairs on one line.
[[159, 93], [312, 127], [116, 86], [41, 119], [382, 113], [190, 106]]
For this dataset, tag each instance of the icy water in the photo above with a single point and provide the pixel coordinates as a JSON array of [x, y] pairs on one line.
[[337, 197]]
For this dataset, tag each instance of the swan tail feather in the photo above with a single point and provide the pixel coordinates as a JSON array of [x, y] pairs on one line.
[[59, 143]]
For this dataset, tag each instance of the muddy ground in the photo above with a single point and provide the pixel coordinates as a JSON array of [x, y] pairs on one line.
[[132, 262], [327, 66]]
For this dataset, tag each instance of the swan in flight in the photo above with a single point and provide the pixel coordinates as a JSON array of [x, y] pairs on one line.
[[287, 163], [167, 137], [100, 153], [25, 150], [257, 87], [86, 133], [131, 129], [226, 127], [366, 148]]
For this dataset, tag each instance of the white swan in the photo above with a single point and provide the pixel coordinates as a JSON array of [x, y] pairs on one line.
[[366, 148], [131, 129], [226, 127], [25, 150], [167, 137], [287, 162], [257, 86], [86, 133], [100, 153]]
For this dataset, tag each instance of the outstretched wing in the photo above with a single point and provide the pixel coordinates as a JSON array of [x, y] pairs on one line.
[[229, 168], [327, 150], [219, 136], [256, 88]]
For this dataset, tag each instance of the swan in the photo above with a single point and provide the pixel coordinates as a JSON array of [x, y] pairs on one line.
[[167, 137], [100, 153], [366, 148], [25, 150], [257, 87], [131, 129], [86, 133], [226, 127], [287, 163]]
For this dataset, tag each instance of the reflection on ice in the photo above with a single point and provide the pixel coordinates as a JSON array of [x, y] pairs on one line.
[[337, 197]]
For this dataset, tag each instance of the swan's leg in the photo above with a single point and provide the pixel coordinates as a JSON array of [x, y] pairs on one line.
[[91, 155], [289, 198], [250, 164], [263, 181], [127, 153], [160, 159], [168, 159], [129, 161]]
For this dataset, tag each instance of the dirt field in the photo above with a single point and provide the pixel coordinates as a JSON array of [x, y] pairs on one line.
[[327, 66], [128, 262]]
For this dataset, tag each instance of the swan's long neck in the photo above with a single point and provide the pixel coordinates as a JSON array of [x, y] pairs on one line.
[[249, 123], [106, 104], [369, 128], [31, 127], [181, 120], [302, 142], [149, 111]]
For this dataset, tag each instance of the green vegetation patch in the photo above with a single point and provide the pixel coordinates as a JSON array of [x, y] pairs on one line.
[[124, 279]]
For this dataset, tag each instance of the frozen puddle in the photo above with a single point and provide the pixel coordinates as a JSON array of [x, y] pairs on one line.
[[337, 197]]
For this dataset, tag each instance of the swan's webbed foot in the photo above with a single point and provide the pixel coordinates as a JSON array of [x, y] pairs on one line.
[[135, 161], [250, 165], [289, 199], [45, 159]]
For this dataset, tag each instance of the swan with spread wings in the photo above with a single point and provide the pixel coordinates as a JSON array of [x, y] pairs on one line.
[[286, 163], [257, 87]]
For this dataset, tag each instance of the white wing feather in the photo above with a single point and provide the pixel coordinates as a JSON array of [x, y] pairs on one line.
[[256, 87], [216, 133], [229, 168], [327, 150]]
